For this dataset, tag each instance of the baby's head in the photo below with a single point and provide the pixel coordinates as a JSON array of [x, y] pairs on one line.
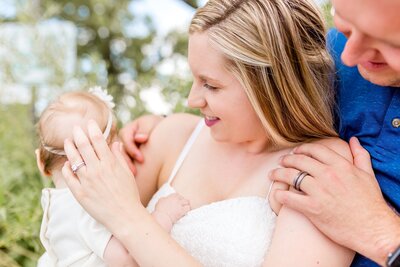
[[58, 119]]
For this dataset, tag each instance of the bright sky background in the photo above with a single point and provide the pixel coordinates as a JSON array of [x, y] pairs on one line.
[[7, 8], [167, 14]]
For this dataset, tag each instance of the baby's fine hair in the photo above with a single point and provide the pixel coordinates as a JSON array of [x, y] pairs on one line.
[[58, 119]]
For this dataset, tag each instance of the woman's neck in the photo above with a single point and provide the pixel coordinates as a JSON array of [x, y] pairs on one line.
[[252, 147]]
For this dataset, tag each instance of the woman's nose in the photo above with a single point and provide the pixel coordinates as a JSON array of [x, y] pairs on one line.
[[196, 96]]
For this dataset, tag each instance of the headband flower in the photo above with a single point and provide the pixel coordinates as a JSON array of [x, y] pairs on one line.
[[103, 95]]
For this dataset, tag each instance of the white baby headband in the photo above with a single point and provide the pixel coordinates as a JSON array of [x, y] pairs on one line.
[[108, 100]]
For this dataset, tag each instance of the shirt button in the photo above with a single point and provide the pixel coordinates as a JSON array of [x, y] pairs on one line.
[[396, 122]]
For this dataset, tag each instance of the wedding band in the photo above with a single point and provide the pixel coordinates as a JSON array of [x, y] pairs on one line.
[[76, 167], [298, 179]]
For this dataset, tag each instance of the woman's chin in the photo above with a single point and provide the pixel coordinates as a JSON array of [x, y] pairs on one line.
[[218, 137]]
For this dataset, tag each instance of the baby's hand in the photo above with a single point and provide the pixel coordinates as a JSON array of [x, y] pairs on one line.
[[170, 209]]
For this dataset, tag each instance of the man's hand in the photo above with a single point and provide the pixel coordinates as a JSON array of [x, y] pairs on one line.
[[134, 134], [342, 198]]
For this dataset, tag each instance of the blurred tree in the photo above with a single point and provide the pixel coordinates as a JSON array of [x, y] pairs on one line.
[[104, 38], [327, 10], [192, 3], [110, 53]]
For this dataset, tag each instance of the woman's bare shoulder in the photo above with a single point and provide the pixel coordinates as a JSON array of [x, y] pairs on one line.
[[176, 127], [161, 150]]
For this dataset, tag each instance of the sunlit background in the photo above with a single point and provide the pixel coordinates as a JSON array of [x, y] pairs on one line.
[[134, 48]]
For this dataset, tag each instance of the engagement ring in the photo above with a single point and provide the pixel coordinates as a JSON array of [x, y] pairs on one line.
[[76, 167]]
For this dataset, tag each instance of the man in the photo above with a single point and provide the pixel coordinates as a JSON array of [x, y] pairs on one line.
[[343, 200]]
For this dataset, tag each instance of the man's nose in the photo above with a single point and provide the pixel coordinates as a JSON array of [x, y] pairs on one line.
[[358, 49]]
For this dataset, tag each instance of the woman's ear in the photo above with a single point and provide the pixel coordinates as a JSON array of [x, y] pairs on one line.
[[40, 164]]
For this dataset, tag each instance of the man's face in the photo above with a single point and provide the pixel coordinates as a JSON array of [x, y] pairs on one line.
[[373, 31]]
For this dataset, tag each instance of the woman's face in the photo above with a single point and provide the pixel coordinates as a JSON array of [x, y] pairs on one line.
[[219, 95]]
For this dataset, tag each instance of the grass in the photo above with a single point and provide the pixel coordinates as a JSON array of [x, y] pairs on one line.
[[20, 189]]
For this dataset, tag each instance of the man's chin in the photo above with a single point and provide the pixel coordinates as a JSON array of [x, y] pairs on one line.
[[387, 77]]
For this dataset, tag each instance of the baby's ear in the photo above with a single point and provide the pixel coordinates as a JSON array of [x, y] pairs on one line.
[[40, 164]]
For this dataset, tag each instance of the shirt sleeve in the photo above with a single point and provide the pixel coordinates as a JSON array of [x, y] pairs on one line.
[[95, 235], [46, 261]]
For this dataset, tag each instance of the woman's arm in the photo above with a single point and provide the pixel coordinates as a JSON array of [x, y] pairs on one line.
[[106, 188], [144, 238], [340, 189], [297, 242]]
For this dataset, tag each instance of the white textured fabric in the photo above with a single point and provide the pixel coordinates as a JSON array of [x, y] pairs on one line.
[[233, 232], [69, 234]]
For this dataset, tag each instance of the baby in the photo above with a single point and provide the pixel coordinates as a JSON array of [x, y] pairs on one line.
[[71, 236]]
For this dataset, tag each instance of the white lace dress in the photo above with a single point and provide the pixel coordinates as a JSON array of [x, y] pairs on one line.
[[232, 232]]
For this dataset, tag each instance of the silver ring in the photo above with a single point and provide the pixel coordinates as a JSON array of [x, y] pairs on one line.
[[298, 179], [76, 167]]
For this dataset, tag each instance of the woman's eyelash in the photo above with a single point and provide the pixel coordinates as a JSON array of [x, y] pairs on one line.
[[209, 86]]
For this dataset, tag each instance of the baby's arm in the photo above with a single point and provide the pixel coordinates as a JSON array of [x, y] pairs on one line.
[[169, 210], [115, 255]]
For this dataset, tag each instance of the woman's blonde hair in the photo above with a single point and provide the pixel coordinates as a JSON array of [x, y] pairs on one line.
[[277, 50], [57, 120]]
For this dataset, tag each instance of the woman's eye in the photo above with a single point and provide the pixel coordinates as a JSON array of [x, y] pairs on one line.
[[209, 87]]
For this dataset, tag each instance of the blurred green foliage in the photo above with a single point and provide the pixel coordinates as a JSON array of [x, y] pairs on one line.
[[327, 11], [20, 185]]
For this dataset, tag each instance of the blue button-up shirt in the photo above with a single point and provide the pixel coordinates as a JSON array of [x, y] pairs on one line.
[[371, 113]]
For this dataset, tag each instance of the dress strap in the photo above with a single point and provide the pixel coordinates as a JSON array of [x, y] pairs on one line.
[[185, 150], [269, 190]]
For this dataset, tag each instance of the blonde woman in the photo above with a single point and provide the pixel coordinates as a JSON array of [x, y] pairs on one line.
[[262, 83]]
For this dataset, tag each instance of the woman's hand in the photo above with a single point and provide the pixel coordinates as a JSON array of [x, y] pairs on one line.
[[105, 186]]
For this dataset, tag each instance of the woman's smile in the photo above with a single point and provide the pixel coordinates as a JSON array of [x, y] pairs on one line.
[[210, 120]]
